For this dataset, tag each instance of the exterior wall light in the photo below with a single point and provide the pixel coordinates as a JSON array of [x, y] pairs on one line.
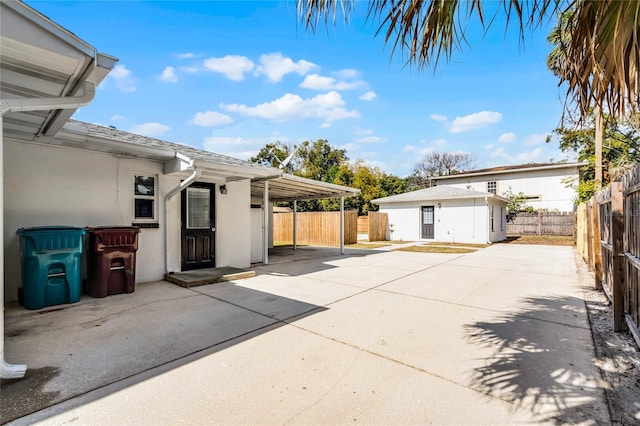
[[223, 189]]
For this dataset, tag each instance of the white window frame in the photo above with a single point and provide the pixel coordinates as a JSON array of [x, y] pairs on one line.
[[153, 198]]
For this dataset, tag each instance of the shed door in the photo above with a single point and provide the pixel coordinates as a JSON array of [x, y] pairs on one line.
[[198, 227], [427, 222]]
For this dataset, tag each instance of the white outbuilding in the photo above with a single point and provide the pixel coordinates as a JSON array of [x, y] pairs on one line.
[[446, 214]]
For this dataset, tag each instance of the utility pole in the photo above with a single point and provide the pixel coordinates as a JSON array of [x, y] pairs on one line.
[[598, 148]]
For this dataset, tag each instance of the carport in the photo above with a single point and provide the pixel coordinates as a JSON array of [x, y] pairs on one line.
[[290, 188]]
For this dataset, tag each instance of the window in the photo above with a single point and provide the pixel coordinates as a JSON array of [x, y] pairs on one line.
[[144, 198], [492, 187]]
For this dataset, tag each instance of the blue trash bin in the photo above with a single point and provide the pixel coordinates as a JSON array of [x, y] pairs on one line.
[[51, 265]]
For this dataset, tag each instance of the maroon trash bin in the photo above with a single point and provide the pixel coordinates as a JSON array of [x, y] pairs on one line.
[[111, 260]]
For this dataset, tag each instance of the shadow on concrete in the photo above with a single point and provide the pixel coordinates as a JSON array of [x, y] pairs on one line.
[[98, 346], [532, 365], [285, 261]]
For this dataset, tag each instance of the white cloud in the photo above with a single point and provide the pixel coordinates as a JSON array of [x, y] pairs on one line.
[[243, 155], [474, 121], [210, 119], [438, 117], [150, 129], [362, 132], [185, 55], [350, 147], [325, 125], [489, 146], [370, 139], [369, 96], [318, 82], [232, 66], [520, 158], [507, 137], [169, 75], [117, 117], [408, 148], [123, 78], [275, 66], [440, 142], [425, 151], [536, 139], [190, 69], [347, 73], [329, 107]]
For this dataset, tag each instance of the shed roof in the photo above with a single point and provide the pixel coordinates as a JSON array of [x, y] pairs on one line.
[[438, 193]]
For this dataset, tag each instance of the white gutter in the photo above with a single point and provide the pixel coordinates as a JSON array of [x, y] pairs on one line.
[[11, 371], [183, 185]]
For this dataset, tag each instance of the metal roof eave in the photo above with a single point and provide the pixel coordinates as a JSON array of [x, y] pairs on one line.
[[456, 197], [294, 188]]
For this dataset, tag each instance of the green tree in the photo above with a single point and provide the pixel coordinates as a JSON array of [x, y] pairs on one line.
[[274, 154], [602, 56], [620, 150]]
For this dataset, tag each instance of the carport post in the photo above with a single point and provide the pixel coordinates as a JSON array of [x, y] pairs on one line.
[[265, 209], [295, 227], [341, 225]]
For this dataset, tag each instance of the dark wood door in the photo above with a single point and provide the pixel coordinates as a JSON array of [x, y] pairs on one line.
[[427, 222], [198, 226]]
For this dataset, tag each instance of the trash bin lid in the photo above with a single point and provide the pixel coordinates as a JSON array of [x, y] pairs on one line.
[[114, 227], [36, 229]]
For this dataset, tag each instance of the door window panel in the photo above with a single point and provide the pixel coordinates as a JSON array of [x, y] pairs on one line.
[[198, 208]]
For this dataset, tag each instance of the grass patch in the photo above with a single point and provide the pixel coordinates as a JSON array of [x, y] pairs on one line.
[[436, 249], [367, 245], [457, 245], [548, 240]]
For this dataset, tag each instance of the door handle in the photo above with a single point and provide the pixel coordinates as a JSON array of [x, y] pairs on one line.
[[213, 229]]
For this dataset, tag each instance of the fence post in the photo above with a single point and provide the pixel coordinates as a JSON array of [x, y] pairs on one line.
[[539, 223], [596, 259], [618, 271]]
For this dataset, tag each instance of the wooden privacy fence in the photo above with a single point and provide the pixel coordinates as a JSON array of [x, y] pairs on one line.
[[542, 223], [316, 228], [363, 224], [610, 244], [378, 223]]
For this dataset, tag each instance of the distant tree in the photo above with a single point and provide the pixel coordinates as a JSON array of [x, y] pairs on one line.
[[274, 154], [439, 164], [319, 160], [620, 150], [517, 204]]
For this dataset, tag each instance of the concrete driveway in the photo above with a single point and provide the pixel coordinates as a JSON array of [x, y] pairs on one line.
[[499, 336]]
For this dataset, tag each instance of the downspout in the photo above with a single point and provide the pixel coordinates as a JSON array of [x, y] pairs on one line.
[[12, 371], [183, 185]]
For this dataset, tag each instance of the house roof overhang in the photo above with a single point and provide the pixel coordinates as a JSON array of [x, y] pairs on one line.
[[40, 59], [525, 168], [295, 188]]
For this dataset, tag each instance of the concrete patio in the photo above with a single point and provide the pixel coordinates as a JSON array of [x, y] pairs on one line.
[[499, 336]]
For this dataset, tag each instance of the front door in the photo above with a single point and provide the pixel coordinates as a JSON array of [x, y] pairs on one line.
[[198, 226], [427, 222]]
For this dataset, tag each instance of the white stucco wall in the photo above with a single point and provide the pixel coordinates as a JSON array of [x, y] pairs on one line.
[[48, 185], [461, 221], [554, 194], [233, 230]]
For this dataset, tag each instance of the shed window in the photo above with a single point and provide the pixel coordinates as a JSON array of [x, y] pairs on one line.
[[144, 198], [492, 187]]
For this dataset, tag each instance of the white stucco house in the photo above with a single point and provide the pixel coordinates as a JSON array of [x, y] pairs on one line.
[[545, 186], [195, 208], [446, 214]]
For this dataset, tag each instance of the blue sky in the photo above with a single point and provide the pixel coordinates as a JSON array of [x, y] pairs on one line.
[[232, 76]]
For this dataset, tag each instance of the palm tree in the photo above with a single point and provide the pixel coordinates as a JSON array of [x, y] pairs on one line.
[[603, 52]]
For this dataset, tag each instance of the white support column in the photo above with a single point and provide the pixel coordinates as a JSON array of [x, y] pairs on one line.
[[295, 224], [341, 225], [266, 221]]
